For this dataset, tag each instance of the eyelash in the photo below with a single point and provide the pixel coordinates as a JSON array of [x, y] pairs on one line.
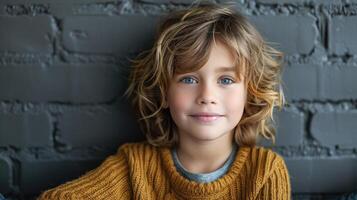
[[189, 77]]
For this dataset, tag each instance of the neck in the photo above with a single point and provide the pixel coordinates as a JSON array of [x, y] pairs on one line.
[[204, 156]]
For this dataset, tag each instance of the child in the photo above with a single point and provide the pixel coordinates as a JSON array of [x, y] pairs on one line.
[[204, 93]]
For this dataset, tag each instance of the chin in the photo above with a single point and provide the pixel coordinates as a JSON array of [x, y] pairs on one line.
[[208, 137]]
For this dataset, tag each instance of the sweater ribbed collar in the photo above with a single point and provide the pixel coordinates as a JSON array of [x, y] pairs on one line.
[[187, 188]]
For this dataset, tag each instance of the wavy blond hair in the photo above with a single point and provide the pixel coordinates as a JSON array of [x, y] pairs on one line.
[[183, 44]]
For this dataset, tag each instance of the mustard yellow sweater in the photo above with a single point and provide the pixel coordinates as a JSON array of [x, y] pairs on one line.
[[142, 171]]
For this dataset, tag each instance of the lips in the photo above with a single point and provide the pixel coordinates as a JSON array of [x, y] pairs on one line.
[[206, 117]]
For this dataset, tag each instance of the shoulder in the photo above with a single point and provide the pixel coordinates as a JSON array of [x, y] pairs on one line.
[[113, 171], [141, 153], [265, 156], [265, 161], [111, 175], [271, 177], [137, 148], [135, 145]]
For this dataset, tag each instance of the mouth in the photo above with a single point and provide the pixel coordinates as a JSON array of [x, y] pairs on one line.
[[206, 117]]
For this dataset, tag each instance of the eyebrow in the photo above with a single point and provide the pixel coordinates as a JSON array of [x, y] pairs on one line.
[[226, 69]]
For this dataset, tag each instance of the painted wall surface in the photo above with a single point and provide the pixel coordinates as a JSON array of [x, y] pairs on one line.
[[64, 67]]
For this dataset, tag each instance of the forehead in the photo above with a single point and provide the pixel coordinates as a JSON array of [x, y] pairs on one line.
[[218, 58]]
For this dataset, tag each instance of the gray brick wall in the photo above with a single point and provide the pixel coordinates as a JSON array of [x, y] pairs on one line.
[[38, 40], [63, 69]]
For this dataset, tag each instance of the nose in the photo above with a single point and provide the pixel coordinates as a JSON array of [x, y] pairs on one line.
[[206, 94]]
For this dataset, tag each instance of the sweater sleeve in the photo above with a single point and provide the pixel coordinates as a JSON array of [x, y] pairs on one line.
[[109, 181], [277, 186]]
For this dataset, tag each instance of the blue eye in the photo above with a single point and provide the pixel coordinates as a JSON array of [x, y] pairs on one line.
[[188, 80], [226, 81]]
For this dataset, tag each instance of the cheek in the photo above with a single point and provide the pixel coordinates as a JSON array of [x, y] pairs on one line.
[[179, 100], [235, 102]]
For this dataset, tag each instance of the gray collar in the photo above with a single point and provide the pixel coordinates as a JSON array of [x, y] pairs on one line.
[[204, 177]]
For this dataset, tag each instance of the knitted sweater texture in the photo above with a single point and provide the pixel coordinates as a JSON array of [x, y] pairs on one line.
[[142, 171]]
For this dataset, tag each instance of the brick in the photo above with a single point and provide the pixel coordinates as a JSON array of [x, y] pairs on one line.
[[167, 1], [276, 1], [84, 129], [300, 81], [50, 173], [303, 81], [289, 129], [338, 82], [115, 35], [304, 2], [26, 34], [25, 130], [185, 2], [322, 175], [342, 35], [335, 128], [5, 175], [293, 34], [79, 83], [44, 7]]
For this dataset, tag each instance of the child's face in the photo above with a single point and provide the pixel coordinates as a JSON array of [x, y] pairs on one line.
[[208, 104]]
